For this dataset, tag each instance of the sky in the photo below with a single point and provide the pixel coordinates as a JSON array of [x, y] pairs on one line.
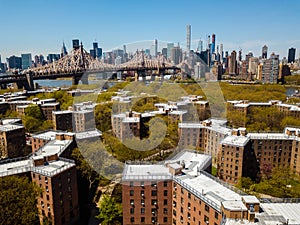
[[41, 26]]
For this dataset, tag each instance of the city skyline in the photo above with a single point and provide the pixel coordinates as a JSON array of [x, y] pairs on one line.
[[113, 24]]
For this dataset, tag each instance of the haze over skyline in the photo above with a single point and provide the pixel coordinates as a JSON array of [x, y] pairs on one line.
[[40, 27]]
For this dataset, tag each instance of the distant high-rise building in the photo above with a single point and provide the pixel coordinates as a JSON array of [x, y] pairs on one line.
[[155, 47], [26, 61], [75, 44], [176, 55], [169, 47], [14, 62], [270, 69], [221, 53], [63, 51], [164, 52], [253, 63], [213, 43], [264, 54], [96, 52], [232, 64], [52, 57], [188, 38], [291, 56], [240, 55]]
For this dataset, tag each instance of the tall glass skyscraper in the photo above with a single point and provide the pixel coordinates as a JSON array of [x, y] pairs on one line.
[[26, 61]]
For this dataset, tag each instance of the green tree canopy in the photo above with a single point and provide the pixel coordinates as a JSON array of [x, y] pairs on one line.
[[110, 211], [18, 201]]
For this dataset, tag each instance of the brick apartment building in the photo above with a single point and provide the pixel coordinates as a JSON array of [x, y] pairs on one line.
[[179, 191], [58, 203], [250, 155], [12, 140]]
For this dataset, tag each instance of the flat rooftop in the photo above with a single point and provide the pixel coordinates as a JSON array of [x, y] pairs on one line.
[[275, 136], [62, 112], [53, 167], [235, 140], [193, 161], [15, 166], [50, 135], [10, 127], [52, 148], [88, 134], [290, 211], [146, 172], [211, 191]]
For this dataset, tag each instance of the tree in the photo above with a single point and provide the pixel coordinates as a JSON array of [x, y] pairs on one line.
[[103, 117], [18, 201], [110, 211]]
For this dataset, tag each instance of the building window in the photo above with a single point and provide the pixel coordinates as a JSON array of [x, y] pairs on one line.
[[131, 192], [165, 192], [165, 202], [165, 219], [153, 202], [142, 219], [131, 202], [182, 191], [165, 211], [132, 219], [206, 208], [131, 184], [154, 193], [165, 183], [142, 184], [153, 184], [216, 215], [206, 219], [131, 210], [142, 202], [142, 193]]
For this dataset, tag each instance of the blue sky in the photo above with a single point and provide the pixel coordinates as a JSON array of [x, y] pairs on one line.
[[40, 26]]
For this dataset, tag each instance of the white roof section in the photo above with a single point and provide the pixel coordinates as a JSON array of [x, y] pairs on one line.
[[88, 134], [52, 148], [10, 127], [235, 140], [53, 167], [146, 172], [15, 166], [234, 205], [62, 112], [212, 191], [131, 120], [269, 136], [178, 112], [190, 125], [251, 199], [191, 161], [10, 121], [290, 211], [50, 135]]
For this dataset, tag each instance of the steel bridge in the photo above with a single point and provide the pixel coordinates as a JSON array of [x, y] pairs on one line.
[[79, 64]]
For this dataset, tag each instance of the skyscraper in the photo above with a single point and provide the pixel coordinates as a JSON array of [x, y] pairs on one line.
[[221, 53], [291, 56], [213, 43], [270, 69], [264, 54], [14, 62], [155, 47], [26, 61], [63, 51], [176, 55], [232, 64], [169, 47], [75, 44], [188, 38]]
